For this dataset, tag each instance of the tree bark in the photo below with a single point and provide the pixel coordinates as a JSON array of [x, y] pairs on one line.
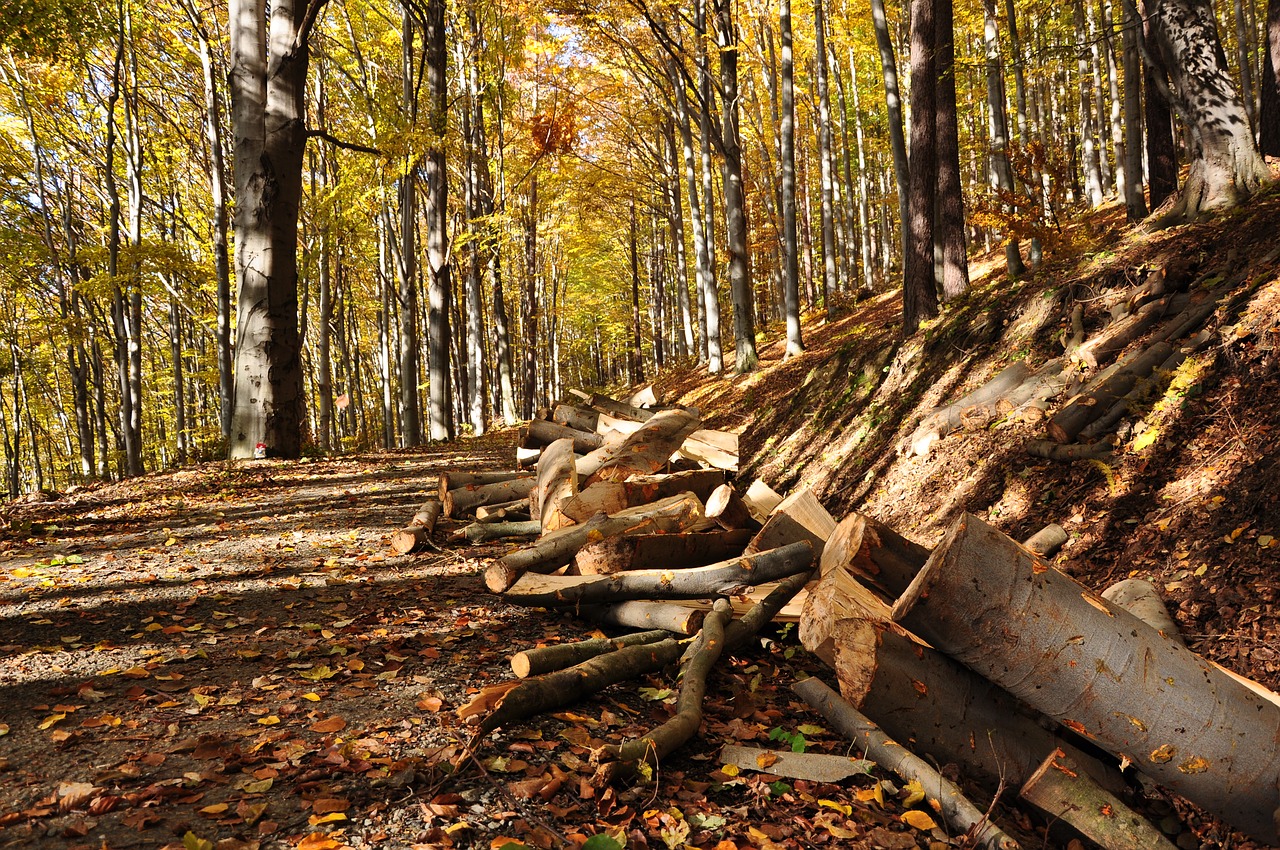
[[1067, 423], [1101, 672], [949, 226], [787, 157], [646, 450], [613, 496], [723, 579], [470, 496], [1162, 158], [656, 551], [893, 107], [548, 659], [826, 170], [642, 614], [1269, 85], [919, 290], [557, 482]]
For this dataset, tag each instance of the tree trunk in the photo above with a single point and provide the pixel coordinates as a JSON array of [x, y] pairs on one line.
[[1269, 85], [548, 659], [949, 227], [830, 276], [998, 128], [702, 260], [645, 451], [641, 614], [893, 105], [1101, 672], [440, 424], [787, 159], [268, 117], [919, 290], [1134, 201], [715, 355], [1162, 158]]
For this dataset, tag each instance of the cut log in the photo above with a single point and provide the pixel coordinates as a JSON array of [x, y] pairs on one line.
[[727, 509], [1047, 541], [578, 418], [643, 614], [1100, 450], [695, 667], [712, 448], [557, 548], [648, 449], [1065, 793], [656, 551], [800, 516], [471, 496], [835, 597], [545, 659], [613, 496], [943, 420], [947, 711], [526, 458], [761, 499], [557, 482], [962, 815], [723, 579], [1102, 672], [765, 611], [504, 511], [1071, 420], [1141, 599], [565, 687], [454, 480], [1119, 334], [875, 553], [483, 532], [644, 397], [613, 407], [544, 432], [417, 534]]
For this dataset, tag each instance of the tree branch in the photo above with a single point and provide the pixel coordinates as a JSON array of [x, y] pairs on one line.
[[338, 143]]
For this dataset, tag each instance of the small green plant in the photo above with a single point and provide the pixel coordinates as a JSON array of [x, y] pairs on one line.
[[795, 740]]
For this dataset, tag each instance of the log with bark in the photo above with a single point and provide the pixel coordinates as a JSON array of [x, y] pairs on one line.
[[546, 659], [761, 499], [726, 578], [460, 500], [646, 450], [1119, 334], [1048, 450], [943, 420], [483, 532], [557, 548], [1141, 599], [1101, 672], [418, 532], [504, 511], [799, 516], [622, 410], [955, 808], [645, 614], [576, 417], [655, 551], [557, 482], [727, 509], [695, 667], [1088, 406], [1065, 793], [1047, 541], [454, 479], [613, 496], [544, 432]]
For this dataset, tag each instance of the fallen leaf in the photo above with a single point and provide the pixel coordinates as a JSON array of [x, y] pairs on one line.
[[52, 720], [269, 720], [316, 841], [215, 809], [328, 805], [915, 793], [332, 724], [918, 819], [316, 820]]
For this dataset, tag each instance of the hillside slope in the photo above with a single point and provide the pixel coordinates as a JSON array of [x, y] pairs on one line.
[[1190, 496]]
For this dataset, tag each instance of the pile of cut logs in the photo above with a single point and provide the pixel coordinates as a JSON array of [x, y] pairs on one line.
[[977, 654]]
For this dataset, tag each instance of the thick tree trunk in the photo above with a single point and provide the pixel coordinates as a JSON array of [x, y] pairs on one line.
[[1162, 158], [1226, 168], [1269, 85], [1134, 201], [440, 424], [1100, 671], [919, 290], [949, 226], [268, 117]]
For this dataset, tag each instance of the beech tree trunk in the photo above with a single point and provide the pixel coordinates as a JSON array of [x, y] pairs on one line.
[[919, 290], [268, 118], [1102, 672], [1269, 85], [787, 156]]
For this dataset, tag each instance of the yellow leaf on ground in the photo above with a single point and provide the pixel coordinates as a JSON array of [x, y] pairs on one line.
[[319, 841], [919, 819], [215, 809], [843, 808], [915, 793], [269, 720], [316, 820], [52, 720]]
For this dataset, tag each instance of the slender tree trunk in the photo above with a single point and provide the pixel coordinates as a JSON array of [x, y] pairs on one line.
[[787, 155], [1089, 144], [893, 105], [268, 87], [675, 222], [711, 295], [1162, 160], [1118, 143], [998, 127], [439, 284], [702, 260], [1244, 43], [530, 311], [1269, 96], [830, 276], [407, 265], [1134, 202], [180, 426], [635, 363], [919, 292], [950, 224]]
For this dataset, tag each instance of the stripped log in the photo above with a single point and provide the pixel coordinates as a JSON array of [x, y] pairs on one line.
[[1102, 672], [613, 496], [646, 450], [1047, 541], [644, 614], [761, 499], [1065, 793], [723, 579], [557, 482], [545, 659], [557, 548], [1072, 419], [418, 532], [727, 509], [469, 497], [961, 814], [656, 551], [800, 516]]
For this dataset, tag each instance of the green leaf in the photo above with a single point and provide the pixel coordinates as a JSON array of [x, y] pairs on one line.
[[601, 842], [779, 788]]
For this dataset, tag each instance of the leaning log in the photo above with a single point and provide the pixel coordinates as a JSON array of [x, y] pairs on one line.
[[613, 496], [655, 551], [544, 432], [1072, 419], [545, 659], [800, 516], [1065, 793], [1102, 672], [557, 482], [648, 449], [955, 808], [723, 579], [943, 420], [643, 614], [418, 532], [454, 480], [557, 548], [462, 499]]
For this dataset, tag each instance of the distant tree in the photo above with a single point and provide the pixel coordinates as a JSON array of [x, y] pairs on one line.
[[1269, 111]]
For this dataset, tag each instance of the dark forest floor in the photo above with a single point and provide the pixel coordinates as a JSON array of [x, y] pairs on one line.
[[229, 656]]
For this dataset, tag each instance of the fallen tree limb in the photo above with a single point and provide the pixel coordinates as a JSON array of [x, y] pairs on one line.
[[504, 511], [556, 549], [454, 480], [483, 532], [955, 808], [1102, 672], [1100, 450], [722, 579], [875, 553], [573, 416], [1047, 541], [695, 667], [1116, 337], [1063, 792], [813, 767], [1141, 599], [742, 629], [468, 497], [643, 614], [544, 432], [572, 684], [545, 659], [1067, 423]]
